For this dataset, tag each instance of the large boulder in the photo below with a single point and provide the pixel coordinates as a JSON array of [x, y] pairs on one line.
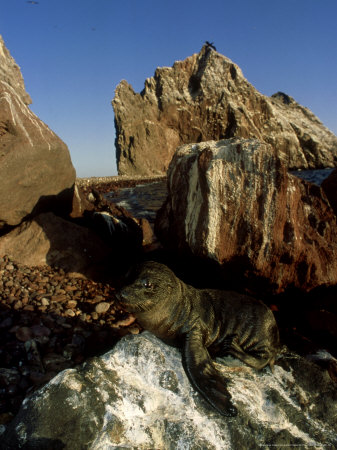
[[233, 202], [35, 167], [206, 97], [51, 240], [138, 396]]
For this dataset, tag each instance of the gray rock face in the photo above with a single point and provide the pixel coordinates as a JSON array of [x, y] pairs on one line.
[[35, 166], [206, 97], [138, 396], [233, 202]]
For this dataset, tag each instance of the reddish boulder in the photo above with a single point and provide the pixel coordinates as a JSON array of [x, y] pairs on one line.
[[234, 202]]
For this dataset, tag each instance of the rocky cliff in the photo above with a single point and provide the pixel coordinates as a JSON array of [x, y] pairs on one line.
[[206, 97]]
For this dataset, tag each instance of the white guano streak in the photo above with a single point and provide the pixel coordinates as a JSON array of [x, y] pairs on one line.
[[15, 116], [19, 105], [214, 175], [194, 202]]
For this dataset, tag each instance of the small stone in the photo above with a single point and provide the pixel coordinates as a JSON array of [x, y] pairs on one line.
[[69, 313], [70, 288], [91, 197], [28, 308], [72, 304], [44, 301], [102, 307], [97, 299], [134, 330], [125, 322], [60, 291], [6, 323], [24, 334], [94, 315], [76, 275], [40, 330], [59, 298], [9, 376], [5, 418], [18, 304], [9, 267]]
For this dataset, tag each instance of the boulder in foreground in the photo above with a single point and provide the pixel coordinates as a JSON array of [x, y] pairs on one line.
[[138, 396]]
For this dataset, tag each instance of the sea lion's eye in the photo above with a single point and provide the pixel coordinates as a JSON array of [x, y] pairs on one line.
[[147, 284]]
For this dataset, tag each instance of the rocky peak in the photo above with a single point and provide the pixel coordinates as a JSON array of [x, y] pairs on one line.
[[206, 97], [283, 98], [10, 73]]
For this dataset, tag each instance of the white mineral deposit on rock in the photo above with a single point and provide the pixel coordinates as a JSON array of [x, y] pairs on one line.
[[233, 201], [138, 396]]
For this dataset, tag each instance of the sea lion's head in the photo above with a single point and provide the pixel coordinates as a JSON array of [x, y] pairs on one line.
[[150, 285]]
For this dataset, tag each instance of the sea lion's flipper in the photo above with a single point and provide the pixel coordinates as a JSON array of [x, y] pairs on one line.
[[258, 356], [203, 375]]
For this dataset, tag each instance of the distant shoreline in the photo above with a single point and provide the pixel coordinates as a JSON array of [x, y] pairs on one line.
[[106, 184]]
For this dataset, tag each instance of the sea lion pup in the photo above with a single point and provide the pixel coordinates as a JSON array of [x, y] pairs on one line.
[[204, 322]]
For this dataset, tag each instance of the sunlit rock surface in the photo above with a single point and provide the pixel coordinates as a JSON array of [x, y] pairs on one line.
[[10, 73], [138, 396], [233, 202], [206, 97], [36, 171]]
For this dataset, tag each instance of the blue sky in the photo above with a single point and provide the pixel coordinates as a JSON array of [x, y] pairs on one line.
[[73, 53]]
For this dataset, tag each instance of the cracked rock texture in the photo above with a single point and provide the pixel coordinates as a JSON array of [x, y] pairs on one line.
[[36, 171], [234, 202], [206, 97], [138, 396]]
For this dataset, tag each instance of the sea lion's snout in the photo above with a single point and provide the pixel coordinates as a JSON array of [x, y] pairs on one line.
[[123, 296], [131, 299]]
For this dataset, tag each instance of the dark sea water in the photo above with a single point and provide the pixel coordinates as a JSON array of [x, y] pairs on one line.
[[314, 176], [144, 200]]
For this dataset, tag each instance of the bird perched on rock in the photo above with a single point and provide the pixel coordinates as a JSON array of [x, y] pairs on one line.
[[210, 45]]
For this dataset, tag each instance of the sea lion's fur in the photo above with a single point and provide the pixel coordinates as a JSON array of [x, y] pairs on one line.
[[206, 322]]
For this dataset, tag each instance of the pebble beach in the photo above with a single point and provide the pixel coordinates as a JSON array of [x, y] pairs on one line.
[[49, 321]]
